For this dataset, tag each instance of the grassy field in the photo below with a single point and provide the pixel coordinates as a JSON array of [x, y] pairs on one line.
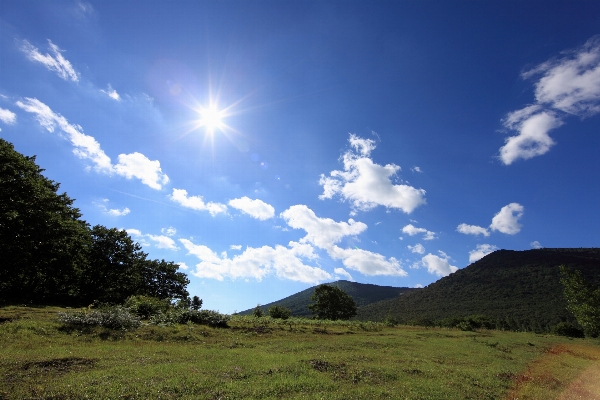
[[267, 359]]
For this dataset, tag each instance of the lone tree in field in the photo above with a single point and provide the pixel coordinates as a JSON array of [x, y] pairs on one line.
[[583, 300], [332, 303]]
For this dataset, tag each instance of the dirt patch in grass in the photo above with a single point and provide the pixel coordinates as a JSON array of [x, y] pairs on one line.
[[60, 365]]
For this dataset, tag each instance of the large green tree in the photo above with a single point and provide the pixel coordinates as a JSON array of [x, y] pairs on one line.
[[583, 300], [332, 303], [42, 238]]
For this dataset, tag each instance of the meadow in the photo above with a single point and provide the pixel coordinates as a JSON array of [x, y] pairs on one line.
[[264, 358]]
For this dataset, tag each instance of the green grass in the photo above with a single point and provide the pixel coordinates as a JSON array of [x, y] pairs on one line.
[[262, 359]]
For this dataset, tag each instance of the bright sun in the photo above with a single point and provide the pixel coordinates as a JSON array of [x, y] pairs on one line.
[[212, 118]]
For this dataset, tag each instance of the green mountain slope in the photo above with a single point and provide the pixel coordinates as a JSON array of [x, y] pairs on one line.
[[362, 294], [521, 289]]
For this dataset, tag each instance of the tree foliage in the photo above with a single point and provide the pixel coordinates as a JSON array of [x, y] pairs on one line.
[[280, 312], [332, 303], [50, 255], [583, 300]]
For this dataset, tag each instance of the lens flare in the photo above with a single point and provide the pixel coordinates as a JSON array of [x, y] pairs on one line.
[[211, 118]]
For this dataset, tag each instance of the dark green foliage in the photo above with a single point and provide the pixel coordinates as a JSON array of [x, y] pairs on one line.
[[49, 255], [583, 300], [42, 239], [257, 312], [516, 290], [332, 303], [569, 330], [196, 303], [184, 316], [145, 306], [279, 312], [362, 294]]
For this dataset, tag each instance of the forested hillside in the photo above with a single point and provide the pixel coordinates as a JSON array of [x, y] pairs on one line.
[[362, 294], [517, 289]]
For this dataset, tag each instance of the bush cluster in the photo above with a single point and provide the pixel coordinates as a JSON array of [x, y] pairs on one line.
[[117, 317], [184, 316]]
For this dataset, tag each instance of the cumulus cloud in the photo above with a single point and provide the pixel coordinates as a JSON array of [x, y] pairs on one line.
[[7, 116], [536, 245], [235, 247], [417, 248], [112, 93], [418, 286], [182, 265], [481, 251], [133, 165], [567, 86], [412, 230], [507, 219], [180, 196], [160, 241], [115, 212], [170, 231], [366, 184], [283, 262], [54, 62], [255, 208], [342, 273], [325, 233], [416, 169], [472, 230], [437, 265], [137, 165]]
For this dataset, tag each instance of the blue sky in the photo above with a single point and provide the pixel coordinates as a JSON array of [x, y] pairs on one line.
[[270, 146]]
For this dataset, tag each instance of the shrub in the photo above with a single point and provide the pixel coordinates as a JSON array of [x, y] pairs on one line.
[[145, 306], [257, 312], [183, 316], [117, 317], [569, 330], [280, 312]]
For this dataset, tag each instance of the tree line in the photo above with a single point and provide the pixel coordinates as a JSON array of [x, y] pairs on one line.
[[50, 255]]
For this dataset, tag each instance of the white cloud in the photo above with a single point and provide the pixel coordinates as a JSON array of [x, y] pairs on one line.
[[115, 212], [342, 273], [137, 165], [163, 242], [170, 231], [366, 262], [325, 233], [322, 232], [112, 93], [417, 248], [570, 85], [507, 219], [437, 265], [180, 196], [412, 230], [182, 265], [283, 262], [255, 208], [418, 286], [481, 251], [536, 245], [86, 147], [55, 62], [7, 116], [416, 169], [366, 184], [235, 247], [472, 230]]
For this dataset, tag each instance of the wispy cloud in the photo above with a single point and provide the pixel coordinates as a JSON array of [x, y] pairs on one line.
[[114, 212], [54, 62], [8, 117], [417, 248], [412, 230], [180, 196], [160, 241], [342, 273], [568, 86], [112, 93], [135, 165], [505, 221], [366, 184], [536, 245], [255, 208], [481, 251]]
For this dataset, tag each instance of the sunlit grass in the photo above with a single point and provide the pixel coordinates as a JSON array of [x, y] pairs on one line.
[[264, 358]]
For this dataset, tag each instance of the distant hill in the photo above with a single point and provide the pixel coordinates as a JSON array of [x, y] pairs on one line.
[[520, 288], [362, 293]]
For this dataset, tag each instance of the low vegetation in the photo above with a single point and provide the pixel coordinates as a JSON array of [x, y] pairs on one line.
[[274, 358]]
